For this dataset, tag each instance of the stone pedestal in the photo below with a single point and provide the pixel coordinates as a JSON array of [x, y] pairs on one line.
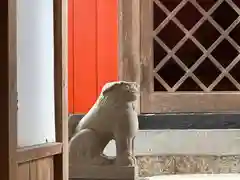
[[113, 116], [103, 173]]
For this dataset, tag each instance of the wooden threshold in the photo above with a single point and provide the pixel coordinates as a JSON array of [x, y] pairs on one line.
[[26, 154], [184, 121]]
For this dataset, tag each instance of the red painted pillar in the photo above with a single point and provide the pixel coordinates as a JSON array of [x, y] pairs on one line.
[[70, 58], [85, 65], [107, 43], [93, 50]]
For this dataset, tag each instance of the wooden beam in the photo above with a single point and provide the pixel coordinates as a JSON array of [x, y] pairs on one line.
[[60, 73], [31, 153], [8, 90], [129, 42]]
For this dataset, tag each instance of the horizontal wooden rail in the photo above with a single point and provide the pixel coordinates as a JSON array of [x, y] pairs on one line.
[[37, 152]]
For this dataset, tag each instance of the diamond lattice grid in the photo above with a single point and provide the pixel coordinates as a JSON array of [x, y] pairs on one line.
[[195, 48]]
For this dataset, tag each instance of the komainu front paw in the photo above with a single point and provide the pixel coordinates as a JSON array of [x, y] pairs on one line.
[[126, 160]]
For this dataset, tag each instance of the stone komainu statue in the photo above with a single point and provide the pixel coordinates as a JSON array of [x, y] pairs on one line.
[[112, 117]]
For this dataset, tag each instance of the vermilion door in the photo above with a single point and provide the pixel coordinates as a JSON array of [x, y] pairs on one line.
[[93, 50]]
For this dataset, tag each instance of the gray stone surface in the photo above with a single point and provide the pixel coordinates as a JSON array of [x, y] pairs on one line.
[[197, 177], [181, 164], [188, 142], [161, 152]]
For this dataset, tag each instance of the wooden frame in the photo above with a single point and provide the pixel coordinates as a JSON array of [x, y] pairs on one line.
[[13, 159], [136, 61], [61, 81], [38, 152], [172, 101], [129, 42], [8, 92]]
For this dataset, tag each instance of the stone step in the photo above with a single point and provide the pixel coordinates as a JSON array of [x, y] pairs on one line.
[[185, 151], [197, 177]]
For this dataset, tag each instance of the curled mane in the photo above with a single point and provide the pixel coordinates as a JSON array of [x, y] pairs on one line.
[[104, 96], [112, 92]]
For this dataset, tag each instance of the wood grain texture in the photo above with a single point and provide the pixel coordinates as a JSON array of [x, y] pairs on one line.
[[129, 42], [146, 53], [37, 152], [61, 93], [193, 102], [23, 172], [8, 90], [41, 169]]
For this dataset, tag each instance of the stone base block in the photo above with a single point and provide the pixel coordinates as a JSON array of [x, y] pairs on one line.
[[187, 164], [103, 172]]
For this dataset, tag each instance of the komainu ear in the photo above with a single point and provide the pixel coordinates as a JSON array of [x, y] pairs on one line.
[[110, 86]]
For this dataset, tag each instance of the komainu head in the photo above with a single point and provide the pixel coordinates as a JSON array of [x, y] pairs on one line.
[[121, 90]]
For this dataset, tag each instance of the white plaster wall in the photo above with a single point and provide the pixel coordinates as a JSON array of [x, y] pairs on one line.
[[35, 72]]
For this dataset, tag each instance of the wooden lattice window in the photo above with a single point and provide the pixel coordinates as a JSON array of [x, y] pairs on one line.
[[190, 52]]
